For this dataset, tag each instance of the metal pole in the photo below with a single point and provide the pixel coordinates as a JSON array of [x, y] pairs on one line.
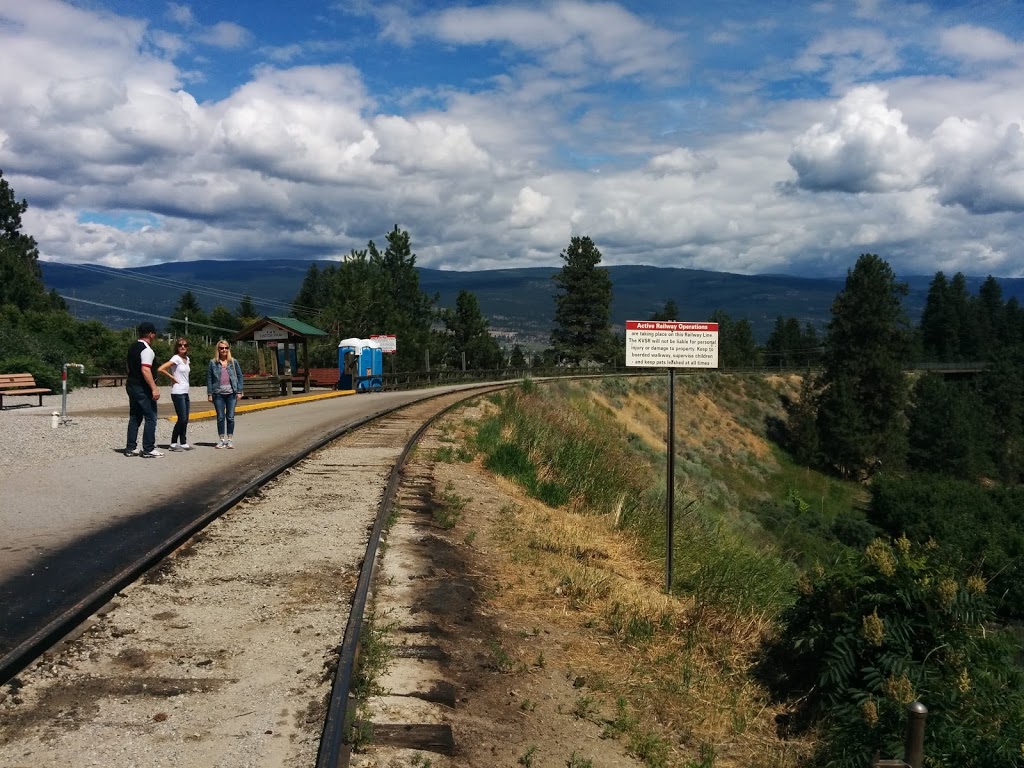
[[64, 389], [913, 750], [670, 490], [64, 392]]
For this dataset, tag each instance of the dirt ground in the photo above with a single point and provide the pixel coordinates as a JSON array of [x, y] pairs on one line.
[[507, 683]]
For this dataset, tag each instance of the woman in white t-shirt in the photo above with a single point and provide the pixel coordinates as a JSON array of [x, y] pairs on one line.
[[177, 370]]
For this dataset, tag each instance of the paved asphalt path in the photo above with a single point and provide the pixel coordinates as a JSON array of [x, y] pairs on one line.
[[69, 524]]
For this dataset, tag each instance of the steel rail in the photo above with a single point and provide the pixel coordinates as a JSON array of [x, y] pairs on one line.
[[30, 649], [335, 749]]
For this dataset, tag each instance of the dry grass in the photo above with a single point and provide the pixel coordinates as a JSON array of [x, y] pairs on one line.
[[682, 669], [687, 670]]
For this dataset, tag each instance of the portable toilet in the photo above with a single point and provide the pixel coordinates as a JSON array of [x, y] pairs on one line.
[[349, 352], [371, 367]]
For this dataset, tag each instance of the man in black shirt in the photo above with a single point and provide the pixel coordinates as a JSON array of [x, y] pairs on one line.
[[142, 395]]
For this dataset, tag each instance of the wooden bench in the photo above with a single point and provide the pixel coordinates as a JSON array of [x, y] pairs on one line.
[[21, 384], [116, 379], [318, 377]]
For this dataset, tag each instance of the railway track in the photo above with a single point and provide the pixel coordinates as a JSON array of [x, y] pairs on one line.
[[235, 642]]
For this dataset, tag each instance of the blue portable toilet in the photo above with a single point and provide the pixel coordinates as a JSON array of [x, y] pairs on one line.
[[349, 352], [371, 367]]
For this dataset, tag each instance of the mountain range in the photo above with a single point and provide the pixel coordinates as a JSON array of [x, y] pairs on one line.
[[519, 303]]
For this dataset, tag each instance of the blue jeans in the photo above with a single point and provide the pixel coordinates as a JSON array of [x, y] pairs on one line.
[[225, 407], [141, 408], [182, 407]]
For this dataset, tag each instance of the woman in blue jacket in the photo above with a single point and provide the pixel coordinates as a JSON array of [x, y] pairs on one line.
[[223, 388]]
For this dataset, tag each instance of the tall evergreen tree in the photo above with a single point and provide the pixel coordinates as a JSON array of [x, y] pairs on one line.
[[940, 322], [863, 388], [669, 312], [583, 302], [468, 334], [246, 311], [21, 280], [801, 424], [943, 429], [988, 311], [736, 345], [189, 316], [223, 320], [966, 321], [1002, 402], [404, 309], [312, 293], [788, 345], [517, 358]]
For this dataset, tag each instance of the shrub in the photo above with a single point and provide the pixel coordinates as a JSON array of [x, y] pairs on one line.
[[888, 626]]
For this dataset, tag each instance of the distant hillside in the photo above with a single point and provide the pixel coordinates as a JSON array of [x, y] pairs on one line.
[[518, 301]]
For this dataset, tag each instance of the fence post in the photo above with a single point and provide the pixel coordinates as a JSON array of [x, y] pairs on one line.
[[913, 749]]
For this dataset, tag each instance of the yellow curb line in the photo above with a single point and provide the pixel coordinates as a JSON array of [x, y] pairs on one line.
[[264, 406]]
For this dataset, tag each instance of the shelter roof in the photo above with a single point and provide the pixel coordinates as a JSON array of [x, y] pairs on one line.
[[284, 325]]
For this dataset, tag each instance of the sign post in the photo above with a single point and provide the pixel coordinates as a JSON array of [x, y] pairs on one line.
[[671, 344]]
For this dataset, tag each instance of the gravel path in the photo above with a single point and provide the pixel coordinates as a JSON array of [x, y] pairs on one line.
[[28, 437]]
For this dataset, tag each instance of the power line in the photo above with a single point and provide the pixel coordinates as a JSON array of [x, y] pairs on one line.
[[150, 314], [167, 282]]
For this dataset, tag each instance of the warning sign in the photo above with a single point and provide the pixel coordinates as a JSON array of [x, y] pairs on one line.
[[671, 344], [388, 343]]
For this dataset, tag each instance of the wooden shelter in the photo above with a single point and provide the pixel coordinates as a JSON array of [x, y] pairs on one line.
[[275, 332]]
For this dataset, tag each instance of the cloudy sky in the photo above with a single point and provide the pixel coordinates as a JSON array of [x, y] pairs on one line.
[[718, 136]]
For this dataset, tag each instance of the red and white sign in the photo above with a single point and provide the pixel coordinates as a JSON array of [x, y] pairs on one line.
[[388, 342], [671, 344]]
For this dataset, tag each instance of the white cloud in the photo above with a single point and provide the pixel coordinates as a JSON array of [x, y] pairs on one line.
[[682, 160], [225, 34], [974, 43], [569, 35], [530, 208], [980, 165], [849, 56], [863, 146]]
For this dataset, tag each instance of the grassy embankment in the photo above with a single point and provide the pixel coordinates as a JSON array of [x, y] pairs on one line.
[[675, 670]]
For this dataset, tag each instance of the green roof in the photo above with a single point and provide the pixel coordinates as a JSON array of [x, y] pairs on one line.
[[297, 326]]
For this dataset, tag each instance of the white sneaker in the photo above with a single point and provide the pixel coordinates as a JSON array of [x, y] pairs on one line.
[[154, 454], [186, 447], [175, 447], [220, 444], [229, 444], [132, 452]]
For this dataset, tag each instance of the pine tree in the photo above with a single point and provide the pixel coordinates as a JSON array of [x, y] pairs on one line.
[[940, 322], [21, 280], [400, 306], [863, 388], [583, 300], [736, 345], [669, 312], [988, 311], [468, 335], [966, 321], [246, 311], [942, 430], [517, 359], [189, 316]]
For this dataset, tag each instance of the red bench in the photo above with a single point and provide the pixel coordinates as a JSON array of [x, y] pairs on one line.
[[318, 377], [21, 384]]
